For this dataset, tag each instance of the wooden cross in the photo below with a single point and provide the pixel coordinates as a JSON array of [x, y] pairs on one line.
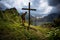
[[29, 9]]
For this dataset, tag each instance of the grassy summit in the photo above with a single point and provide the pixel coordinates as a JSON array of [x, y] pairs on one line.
[[11, 28]]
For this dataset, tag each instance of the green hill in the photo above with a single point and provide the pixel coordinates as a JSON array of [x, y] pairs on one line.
[[11, 28], [10, 17]]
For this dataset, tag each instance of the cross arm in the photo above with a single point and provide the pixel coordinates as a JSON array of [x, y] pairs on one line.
[[25, 9], [28, 9], [33, 9]]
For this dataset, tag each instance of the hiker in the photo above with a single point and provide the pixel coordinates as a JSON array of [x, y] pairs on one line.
[[23, 18]]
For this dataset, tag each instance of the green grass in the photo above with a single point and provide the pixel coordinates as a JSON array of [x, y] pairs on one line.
[[11, 29], [15, 31]]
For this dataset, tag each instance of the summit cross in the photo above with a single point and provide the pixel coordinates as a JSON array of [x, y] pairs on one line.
[[29, 9]]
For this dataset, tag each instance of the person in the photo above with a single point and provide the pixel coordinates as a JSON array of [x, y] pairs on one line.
[[23, 18]]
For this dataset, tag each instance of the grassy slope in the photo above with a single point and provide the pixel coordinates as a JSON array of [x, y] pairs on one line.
[[11, 28]]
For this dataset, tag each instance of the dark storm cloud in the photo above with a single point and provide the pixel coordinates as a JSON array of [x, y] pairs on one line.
[[56, 5], [4, 5], [54, 2]]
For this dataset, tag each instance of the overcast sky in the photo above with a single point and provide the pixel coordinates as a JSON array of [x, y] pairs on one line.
[[42, 6]]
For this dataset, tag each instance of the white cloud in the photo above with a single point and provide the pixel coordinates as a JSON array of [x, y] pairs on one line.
[[48, 9], [17, 3], [41, 5], [45, 7]]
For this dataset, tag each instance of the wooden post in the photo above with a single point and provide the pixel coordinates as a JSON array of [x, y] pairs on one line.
[[29, 9]]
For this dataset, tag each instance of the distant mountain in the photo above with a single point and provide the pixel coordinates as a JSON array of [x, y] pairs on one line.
[[50, 17]]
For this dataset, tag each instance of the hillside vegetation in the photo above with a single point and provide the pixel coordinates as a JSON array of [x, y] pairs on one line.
[[11, 28]]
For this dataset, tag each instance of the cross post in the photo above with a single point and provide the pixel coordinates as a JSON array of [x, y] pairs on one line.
[[29, 9]]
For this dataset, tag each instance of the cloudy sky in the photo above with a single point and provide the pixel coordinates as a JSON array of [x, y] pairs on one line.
[[42, 6]]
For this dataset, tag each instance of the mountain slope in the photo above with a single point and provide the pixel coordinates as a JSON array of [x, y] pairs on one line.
[[11, 28], [10, 17]]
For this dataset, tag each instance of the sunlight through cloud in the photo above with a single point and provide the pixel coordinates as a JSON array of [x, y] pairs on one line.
[[44, 6]]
